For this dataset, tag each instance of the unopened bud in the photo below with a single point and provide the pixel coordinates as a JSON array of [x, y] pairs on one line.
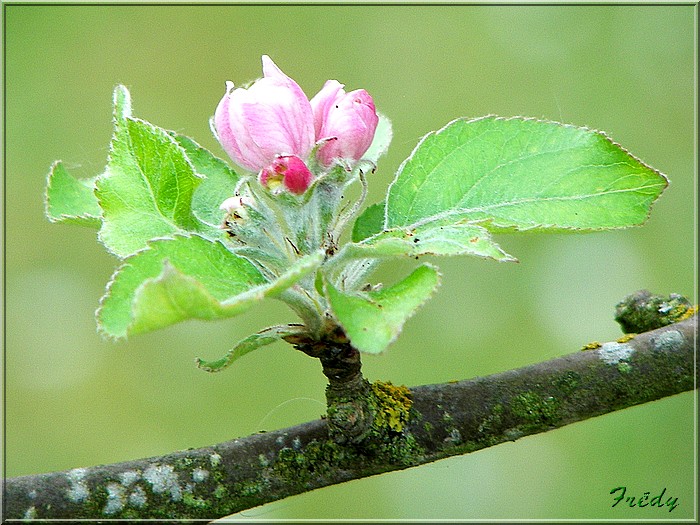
[[288, 171]]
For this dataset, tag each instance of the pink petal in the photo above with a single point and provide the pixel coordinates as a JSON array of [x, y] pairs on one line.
[[323, 101]]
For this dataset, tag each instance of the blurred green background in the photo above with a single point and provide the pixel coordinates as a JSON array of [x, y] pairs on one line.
[[73, 399]]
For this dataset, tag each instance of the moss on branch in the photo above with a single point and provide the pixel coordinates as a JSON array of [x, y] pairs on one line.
[[406, 428]]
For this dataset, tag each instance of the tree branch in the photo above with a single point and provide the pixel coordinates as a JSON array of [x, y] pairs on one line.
[[444, 420]]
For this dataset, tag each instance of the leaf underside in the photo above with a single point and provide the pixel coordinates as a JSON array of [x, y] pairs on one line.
[[247, 345], [71, 200], [381, 141], [174, 296], [373, 319], [200, 266], [438, 237]]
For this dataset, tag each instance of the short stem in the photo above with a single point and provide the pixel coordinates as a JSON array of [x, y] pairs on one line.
[[343, 368], [306, 307], [348, 394]]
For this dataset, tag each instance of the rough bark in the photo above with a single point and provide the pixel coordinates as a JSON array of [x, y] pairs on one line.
[[425, 424]]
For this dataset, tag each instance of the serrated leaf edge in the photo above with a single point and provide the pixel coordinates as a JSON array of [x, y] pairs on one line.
[[367, 242], [251, 296], [198, 146], [279, 332], [429, 296], [124, 264], [63, 217], [125, 111], [270, 289], [105, 175], [546, 227]]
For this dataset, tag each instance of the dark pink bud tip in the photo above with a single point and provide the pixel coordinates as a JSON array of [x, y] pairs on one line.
[[290, 171], [297, 178]]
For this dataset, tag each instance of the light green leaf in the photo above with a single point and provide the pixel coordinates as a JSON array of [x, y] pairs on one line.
[[522, 174], [219, 183], [372, 320], [122, 103], [381, 141], [296, 272], [439, 237], [247, 345], [71, 200], [174, 296], [369, 222], [146, 190], [219, 272]]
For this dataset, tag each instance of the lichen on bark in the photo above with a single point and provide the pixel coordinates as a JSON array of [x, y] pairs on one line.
[[400, 427], [358, 413], [369, 421], [643, 311]]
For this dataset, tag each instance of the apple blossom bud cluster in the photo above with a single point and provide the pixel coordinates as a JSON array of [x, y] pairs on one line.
[[272, 128]]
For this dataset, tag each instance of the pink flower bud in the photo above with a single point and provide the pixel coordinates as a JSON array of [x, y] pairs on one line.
[[289, 170], [345, 121], [271, 118]]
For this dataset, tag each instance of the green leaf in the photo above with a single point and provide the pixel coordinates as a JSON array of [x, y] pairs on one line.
[[522, 174], [381, 141], [146, 190], [369, 222], [247, 345], [71, 200], [187, 277], [219, 183], [174, 296], [372, 320], [122, 103], [219, 272], [439, 237]]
